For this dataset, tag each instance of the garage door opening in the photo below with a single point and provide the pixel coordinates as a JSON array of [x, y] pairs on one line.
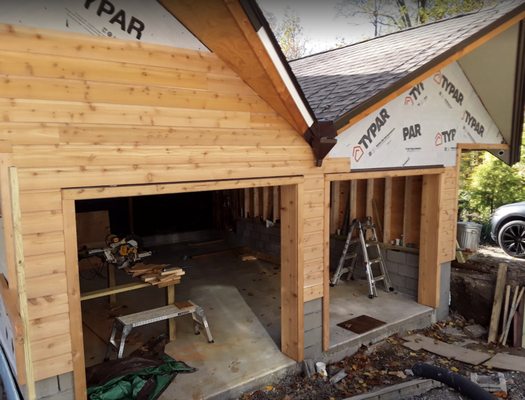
[[393, 206], [227, 242]]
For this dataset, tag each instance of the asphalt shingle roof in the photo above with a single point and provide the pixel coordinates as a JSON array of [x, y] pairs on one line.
[[337, 82]]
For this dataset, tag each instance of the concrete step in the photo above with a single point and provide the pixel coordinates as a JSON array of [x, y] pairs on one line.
[[349, 347]]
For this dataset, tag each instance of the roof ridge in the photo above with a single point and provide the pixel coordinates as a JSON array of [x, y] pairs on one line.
[[397, 32]]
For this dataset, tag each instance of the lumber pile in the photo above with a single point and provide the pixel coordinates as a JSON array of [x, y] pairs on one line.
[[511, 299], [160, 275]]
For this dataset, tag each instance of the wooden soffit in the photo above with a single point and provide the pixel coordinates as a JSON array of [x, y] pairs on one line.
[[224, 27]]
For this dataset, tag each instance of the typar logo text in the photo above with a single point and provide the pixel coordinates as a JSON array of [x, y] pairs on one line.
[[374, 128], [357, 153], [411, 132], [445, 137], [415, 95], [473, 123], [448, 87], [106, 8]]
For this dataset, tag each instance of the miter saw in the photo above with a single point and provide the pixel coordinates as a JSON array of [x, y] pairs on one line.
[[119, 252]]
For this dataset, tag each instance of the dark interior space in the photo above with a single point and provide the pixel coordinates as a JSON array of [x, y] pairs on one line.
[[153, 215]]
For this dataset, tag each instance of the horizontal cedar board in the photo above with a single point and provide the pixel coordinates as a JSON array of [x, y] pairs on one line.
[[449, 194], [43, 243], [50, 178], [450, 172], [30, 133], [53, 325], [128, 94], [51, 367], [32, 65], [50, 346], [68, 44], [313, 238], [313, 224], [314, 182], [449, 183], [313, 278], [313, 292], [40, 200], [46, 285], [21, 110], [47, 306], [105, 155], [93, 134], [44, 264], [448, 215], [42, 221], [162, 136], [180, 187], [313, 252], [313, 265], [314, 196], [313, 210]]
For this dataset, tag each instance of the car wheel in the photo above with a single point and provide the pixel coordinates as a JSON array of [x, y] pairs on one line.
[[511, 238]]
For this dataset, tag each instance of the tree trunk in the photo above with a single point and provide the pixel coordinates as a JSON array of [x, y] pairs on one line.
[[422, 11], [403, 11]]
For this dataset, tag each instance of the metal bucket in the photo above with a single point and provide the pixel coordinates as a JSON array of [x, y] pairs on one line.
[[468, 235]]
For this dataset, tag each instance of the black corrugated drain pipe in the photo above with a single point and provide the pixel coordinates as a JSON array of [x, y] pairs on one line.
[[457, 382]]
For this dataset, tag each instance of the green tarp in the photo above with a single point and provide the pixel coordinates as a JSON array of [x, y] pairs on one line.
[[127, 387]]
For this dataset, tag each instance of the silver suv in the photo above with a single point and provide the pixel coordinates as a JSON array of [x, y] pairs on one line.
[[507, 228]]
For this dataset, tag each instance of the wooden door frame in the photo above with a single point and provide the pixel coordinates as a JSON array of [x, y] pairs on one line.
[[349, 176], [292, 274]]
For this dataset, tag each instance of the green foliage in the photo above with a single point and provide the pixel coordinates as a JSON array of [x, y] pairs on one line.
[[440, 9], [290, 35], [487, 183], [388, 16]]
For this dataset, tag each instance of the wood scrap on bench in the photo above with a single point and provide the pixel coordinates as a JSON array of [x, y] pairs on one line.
[[161, 275]]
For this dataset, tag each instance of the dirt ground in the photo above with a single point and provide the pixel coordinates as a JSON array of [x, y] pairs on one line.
[[389, 362], [489, 256]]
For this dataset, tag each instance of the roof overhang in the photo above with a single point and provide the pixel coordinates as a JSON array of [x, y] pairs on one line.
[[237, 32], [509, 29]]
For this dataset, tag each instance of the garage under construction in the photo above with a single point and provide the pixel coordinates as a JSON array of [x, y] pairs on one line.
[[164, 171]]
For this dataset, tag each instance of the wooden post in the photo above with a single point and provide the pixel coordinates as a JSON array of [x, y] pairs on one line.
[[429, 261], [256, 203], [246, 203], [170, 299], [5, 204], [21, 281], [326, 265], [412, 210], [334, 207], [352, 198], [292, 271], [73, 291], [387, 217], [369, 211], [496, 305], [275, 204], [265, 202]]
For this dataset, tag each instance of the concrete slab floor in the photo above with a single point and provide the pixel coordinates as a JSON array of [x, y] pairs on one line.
[[242, 305], [349, 299]]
